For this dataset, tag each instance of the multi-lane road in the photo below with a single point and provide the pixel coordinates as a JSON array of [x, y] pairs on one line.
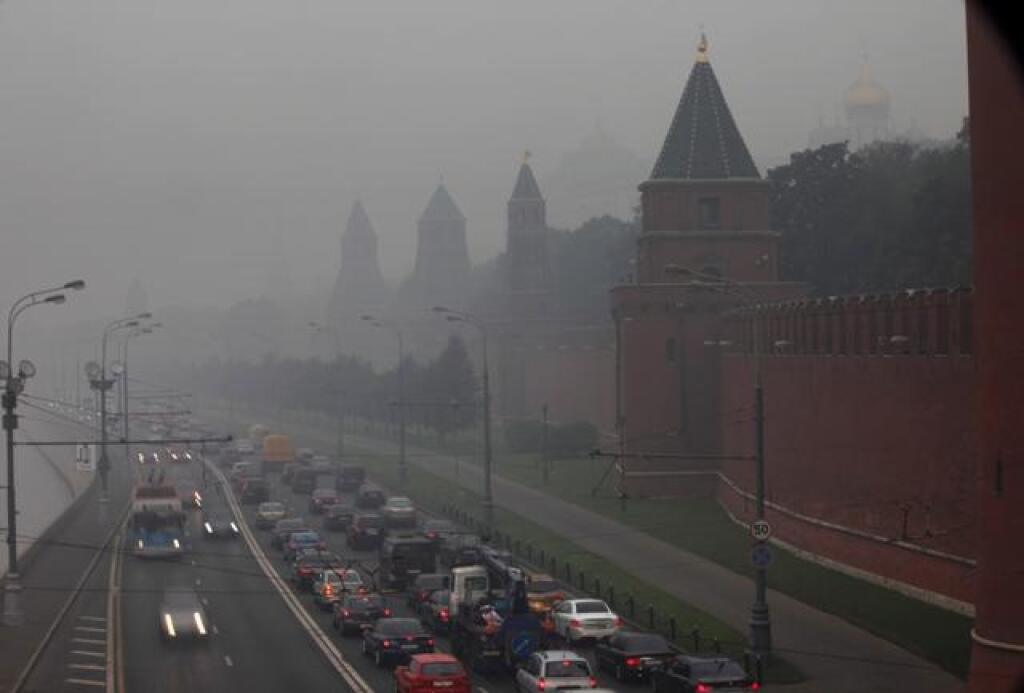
[[264, 636]]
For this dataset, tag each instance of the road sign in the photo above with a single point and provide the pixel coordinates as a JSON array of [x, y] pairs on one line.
[[760, 530], [761, 555], [85, 458], [522, 644]]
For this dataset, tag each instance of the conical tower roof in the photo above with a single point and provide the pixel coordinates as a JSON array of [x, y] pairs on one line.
[[442, 207], [359, 223], [526, 185], [703, 142]]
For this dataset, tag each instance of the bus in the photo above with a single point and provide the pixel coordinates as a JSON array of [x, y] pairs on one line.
[[156, 524]]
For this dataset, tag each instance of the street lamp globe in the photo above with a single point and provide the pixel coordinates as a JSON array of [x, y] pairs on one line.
[[26, 369]]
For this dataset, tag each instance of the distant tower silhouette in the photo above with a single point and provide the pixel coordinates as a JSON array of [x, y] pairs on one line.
[[441, 274], [867, 109], [526, 254], [360, 287]]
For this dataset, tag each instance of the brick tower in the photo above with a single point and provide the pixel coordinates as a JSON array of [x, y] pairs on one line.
[[441, 274], [360, 287], [526, 253]]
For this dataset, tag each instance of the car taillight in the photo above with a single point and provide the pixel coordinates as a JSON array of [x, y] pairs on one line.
[[633, 662], [430, 642], [386, 644], [755, 686], [703, 688], [443, 614], [346, 613], [619, 622], [387, 612], [575, 623], [542, 685], [593, 682], [305, 571]]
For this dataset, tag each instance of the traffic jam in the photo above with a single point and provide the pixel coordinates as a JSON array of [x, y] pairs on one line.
[[417, 595]]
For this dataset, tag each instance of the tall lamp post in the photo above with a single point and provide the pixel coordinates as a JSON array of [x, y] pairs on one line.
[[133, 334], [336, 338], [13, 385], [402, 468], [459, 316], [100, 382], [760, 616]]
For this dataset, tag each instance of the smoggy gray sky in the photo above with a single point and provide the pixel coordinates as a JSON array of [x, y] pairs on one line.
[[187, 142]]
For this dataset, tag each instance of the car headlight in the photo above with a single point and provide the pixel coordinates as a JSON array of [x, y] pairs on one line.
[[234, 527], [200, 626], [169, 626], [177, 544], [209, 527], [140, 544]]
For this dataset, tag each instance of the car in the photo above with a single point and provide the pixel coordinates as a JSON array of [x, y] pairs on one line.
[[632, 655], [321, 498], [354, 613], [338, 516], [461, 548], [304, 539], [288, 471], [191, 497], [365, 531], [305, 455], [282, 528], [303, 480], [576, 619], [370, 497], [435, 611], [403, 557], [687, 674], [542, 593], [182, 616], [175, 456], [322, 464], [430, 672], [422, 586], [350, 477], [438, 530], [220, 524], [394, 640], [552, 670], [240, 470], [330, 584], [253, 490], [309, 563], [399, 511], [268, 513]]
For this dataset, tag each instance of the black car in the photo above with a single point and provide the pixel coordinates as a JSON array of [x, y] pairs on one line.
[[420, 589], [394, 640], [686, 674], [354, 613], [633, 655], [304, 480], [436, 611], [220, 524], [350, 478], [370, 497], [288, 472], [403, 557], [338, 516], [309, 564], [254, 490], [182, 616], [284, 528], [365, 531], [461, 549]]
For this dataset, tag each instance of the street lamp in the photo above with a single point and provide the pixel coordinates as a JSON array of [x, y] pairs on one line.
[[760, 616], [100, 382], [459, 316], [13, 385], [336, 338], [133, 334], [403, 471]]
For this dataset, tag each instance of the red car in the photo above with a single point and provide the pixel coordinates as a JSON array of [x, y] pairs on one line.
[[430, 672]]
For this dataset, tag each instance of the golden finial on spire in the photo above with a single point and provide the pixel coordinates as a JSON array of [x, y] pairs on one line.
[[702, 48]]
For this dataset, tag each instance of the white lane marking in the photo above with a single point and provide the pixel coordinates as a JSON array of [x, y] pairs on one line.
[[100, 619], [199, 581], [88, 667], [86, 682], [227, 660], [89, 641], [347, 672], [205, 601], [90, 629], [88, 654]]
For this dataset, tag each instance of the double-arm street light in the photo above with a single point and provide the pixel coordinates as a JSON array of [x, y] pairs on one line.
[[469, 319], [13, 385], [403, 471], [760, 616], [134, 333], [99, 381]]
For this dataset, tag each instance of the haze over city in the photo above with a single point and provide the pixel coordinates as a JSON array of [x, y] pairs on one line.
[[207, 145]]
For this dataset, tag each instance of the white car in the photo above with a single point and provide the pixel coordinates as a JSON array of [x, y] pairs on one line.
[[576, 619], [553, 670], [329, 585]]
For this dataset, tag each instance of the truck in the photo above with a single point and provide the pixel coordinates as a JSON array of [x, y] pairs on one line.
[[486, 648], [404, 556], [277, 452]]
